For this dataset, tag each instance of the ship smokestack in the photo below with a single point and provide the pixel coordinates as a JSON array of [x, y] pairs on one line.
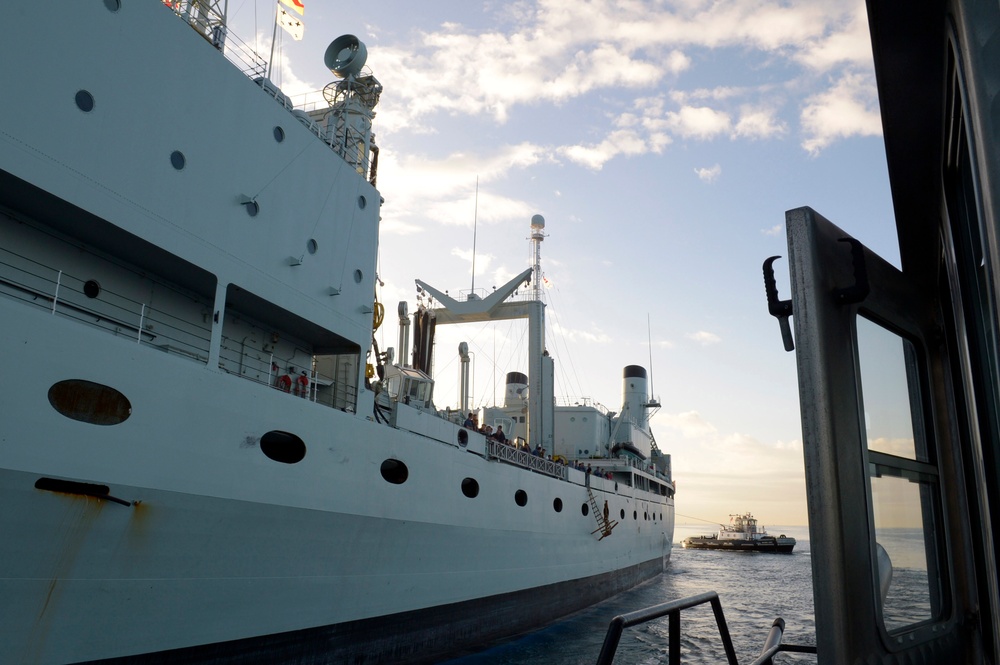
[[634, 395], [517, 389]]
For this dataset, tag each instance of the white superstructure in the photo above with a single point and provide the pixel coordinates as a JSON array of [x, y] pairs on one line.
[[199, 447]]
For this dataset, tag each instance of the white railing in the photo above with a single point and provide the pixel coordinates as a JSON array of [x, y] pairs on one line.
[[64, 294], [523, 458]]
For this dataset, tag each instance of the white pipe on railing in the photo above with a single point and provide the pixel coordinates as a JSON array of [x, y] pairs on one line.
[[142, 317], [55, 296]]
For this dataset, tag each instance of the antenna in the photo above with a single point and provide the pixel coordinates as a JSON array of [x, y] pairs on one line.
[[649, 340], [653, 403], [537, 236], [475, 228]]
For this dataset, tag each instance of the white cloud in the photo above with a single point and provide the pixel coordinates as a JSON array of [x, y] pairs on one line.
[[758, 123], [773, 231], [709, 174], [849, 108], [849, 41], [595, 336], [690, 424], [704, 338], [698, 122]]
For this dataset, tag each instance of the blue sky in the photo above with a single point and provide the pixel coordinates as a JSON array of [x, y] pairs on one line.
[[662, 141]]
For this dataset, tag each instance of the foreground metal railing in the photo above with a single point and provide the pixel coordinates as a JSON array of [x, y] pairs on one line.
[[672, 611]]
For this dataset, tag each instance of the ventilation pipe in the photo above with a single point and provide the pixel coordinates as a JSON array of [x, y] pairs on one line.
[[463, 378], [404, 334]]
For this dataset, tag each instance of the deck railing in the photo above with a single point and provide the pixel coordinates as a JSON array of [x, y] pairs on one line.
[[523, 458], [89, 302]]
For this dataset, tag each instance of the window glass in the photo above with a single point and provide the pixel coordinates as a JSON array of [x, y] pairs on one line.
[[898, 506], [903, 485], [888, 420]]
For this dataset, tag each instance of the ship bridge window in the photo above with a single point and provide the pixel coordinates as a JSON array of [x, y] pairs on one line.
[[410, 386]]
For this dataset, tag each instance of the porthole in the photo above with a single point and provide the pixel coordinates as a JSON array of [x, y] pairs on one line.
[[521, 498], [645, 516], [113, 5], [470, 488], [252, 208], [358, 276], [312, 246], [84, 101], [177, 159], [362, 202], [89, 402], [623, 513], [91, 288], [557, 504], [635, 515], [394, 471], [585, 509], [279, 134], [463, 437], [283, 447]]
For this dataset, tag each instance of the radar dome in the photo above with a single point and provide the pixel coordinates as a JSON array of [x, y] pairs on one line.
[[537, 222], [345, 56]]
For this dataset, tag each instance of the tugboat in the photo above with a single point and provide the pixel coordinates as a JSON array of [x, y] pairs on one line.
[[742, 535]]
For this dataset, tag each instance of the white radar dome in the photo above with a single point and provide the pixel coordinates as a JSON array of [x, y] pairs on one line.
[[345, 56]]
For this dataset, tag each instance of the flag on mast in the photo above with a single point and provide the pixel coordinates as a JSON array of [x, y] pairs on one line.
[[291, 23]]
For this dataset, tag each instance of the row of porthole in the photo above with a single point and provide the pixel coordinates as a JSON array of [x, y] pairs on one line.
[[102, 405], [86, 103], [395, 471]]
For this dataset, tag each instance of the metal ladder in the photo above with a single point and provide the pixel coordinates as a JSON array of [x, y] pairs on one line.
[[604, 525]]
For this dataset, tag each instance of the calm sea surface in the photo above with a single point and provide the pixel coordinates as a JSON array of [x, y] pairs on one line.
[[754, 589]]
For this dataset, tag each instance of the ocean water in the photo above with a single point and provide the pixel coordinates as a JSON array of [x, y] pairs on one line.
[[754, 589]]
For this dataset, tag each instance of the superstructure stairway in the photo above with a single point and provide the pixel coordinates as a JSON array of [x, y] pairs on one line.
[[604, 525]]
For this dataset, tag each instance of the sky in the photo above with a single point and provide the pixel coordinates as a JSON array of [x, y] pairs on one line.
[[662, 141]]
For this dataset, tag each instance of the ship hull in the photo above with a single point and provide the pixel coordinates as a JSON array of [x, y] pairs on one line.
[[773, 545], [420, 636], [220, 545]]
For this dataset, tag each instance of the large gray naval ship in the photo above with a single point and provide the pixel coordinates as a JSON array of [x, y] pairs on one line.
[[203, 456]]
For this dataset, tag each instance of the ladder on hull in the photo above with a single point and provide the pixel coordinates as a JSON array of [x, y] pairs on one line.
[[604, 525]]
